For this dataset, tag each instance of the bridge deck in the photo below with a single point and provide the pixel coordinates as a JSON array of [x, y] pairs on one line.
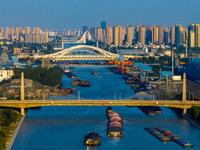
[[37, 103]]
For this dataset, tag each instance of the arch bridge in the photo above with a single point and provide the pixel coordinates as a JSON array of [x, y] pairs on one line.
[[83, 52]]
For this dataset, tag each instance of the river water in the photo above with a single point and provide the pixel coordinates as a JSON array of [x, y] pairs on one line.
[[64, 127]]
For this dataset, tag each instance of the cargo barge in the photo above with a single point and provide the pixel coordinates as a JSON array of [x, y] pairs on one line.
[[157, 134], [70, 75], [183, 143], [174, 138], [115, 124], [95, 73], [92, 139], [151, 110]]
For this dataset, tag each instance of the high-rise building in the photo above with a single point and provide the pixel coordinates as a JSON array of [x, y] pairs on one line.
[[137, 29], [116, 35], [194, 30], [172, 36], [99, 34], [7, 33], [85, 28], [155, 35], [120, 35], [103, 25], [142, 35], [18, 33], [93, 32], [12, 32], [178, 35], [129, 34], [191, 39], [27, 30], [166, 36], [149, 34], [160, 34], [28, 36], [108, 35], [1, 30]]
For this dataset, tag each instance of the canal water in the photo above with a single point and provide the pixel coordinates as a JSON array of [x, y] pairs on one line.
[[64, 128]]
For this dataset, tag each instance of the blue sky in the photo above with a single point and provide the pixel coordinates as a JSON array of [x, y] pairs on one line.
[[61, 14]]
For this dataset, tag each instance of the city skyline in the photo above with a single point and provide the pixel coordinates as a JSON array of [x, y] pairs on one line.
[[73, 14]]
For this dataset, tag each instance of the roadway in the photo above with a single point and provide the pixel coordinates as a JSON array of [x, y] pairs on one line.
[[38, 103]]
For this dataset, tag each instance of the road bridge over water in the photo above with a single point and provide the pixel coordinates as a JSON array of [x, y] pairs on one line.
[[77, 102]]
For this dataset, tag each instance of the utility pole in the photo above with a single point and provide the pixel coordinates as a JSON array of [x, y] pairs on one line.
[[172, 63], [186, 49]]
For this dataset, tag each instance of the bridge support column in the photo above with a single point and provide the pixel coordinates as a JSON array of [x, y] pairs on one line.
[[22, 111], [184, 111]]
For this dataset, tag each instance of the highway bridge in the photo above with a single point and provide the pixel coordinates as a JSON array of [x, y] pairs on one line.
[[39, 103]]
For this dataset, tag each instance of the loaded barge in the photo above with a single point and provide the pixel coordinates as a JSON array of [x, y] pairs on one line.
[[151, 110], [157, 134], [92, 139], [174, 138], [70, 74], [166, 135], [95, 73], [115, 124]]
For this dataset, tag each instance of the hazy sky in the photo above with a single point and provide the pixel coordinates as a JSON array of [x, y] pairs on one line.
[[60, 14]]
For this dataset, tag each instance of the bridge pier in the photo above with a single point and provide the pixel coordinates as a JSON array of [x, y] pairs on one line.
[[184, 111], [22, 111]]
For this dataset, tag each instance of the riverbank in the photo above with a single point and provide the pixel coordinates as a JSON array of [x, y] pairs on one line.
[[13, 134], [192, 122]]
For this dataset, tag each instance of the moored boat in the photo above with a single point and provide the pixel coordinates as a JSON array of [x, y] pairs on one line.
[[76, 82]]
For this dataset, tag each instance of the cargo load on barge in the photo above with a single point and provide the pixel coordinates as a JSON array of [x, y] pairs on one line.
[[92, 139], [151, 110], [115, 124], [70, 75], [174, 137], [157, 134]]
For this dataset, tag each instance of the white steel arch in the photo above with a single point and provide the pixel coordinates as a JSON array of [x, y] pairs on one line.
[[64, 54]]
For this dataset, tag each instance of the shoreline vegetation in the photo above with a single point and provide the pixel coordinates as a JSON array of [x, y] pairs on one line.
[[9, 121]]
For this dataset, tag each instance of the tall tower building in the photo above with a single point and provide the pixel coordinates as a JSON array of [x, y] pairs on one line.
[[137, 29], [149, 35], [142, 35], [18, 33], [177, 35], [7, 33], [85, 28], [99, 34], [166, 36], [129, 35], [172, 36], [116, 35], [28, 36], [160, 34], [103, 25], [108, 35], [120, 35], [1, 30], [191, 39], [155, 35], [194, 30]]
